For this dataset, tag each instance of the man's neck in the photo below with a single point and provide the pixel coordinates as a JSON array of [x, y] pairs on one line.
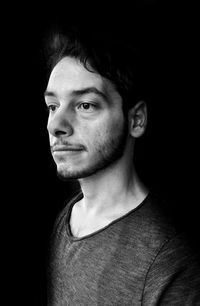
[[115, 188]]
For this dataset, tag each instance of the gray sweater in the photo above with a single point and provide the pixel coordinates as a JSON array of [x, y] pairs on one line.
[[138, 259]]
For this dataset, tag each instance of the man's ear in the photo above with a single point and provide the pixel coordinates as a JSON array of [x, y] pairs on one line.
[[137, 119]]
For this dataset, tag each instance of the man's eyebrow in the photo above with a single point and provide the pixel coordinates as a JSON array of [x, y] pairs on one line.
[[80, 92], [89, 90], [48, 93]]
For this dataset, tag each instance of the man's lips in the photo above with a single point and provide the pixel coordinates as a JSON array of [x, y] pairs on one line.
[[61, 148]]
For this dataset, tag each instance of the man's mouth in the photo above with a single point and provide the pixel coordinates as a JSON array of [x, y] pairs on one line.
[[63, 148]]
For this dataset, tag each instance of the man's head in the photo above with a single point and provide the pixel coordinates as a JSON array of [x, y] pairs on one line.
[[105, 52], [95, 107]]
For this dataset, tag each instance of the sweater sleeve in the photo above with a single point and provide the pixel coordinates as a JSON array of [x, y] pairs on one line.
[[174, 276]]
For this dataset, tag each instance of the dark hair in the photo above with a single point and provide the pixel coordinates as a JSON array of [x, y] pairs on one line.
[[108, 54]]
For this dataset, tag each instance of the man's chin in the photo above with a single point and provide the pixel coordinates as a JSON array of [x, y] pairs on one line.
[[66, 178], [67, 175]]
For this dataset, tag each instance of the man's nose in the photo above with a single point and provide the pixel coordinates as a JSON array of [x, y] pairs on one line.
[[59, 124]]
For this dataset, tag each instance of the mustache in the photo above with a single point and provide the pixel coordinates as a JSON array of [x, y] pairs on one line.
[[66, 146]]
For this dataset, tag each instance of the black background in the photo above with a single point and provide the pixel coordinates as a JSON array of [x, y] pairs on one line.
[[166, 157]]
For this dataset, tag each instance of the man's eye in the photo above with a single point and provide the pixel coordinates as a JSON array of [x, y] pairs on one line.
[[88, 107], [51, 108]]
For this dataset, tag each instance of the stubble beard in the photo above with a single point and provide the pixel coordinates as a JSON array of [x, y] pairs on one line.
[[107, 154]]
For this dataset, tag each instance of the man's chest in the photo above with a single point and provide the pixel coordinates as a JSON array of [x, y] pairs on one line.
[[101, 269], [82, 224], [85, 223]]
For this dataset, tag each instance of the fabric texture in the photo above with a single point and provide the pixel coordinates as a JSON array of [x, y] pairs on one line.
[[138, 259]]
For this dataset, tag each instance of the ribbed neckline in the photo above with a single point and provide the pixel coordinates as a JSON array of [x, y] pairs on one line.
[[78, 197]]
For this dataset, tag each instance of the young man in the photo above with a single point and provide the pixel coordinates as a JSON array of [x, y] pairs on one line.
[[112, 244]]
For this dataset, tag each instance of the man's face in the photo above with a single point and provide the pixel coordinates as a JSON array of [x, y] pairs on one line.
[[86, 125]]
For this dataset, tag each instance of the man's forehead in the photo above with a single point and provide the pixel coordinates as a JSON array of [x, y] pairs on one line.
[[69, 77], [70, 74]]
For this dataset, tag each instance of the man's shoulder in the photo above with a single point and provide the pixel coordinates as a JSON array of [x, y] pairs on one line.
[[162, 223], [156, 218]]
